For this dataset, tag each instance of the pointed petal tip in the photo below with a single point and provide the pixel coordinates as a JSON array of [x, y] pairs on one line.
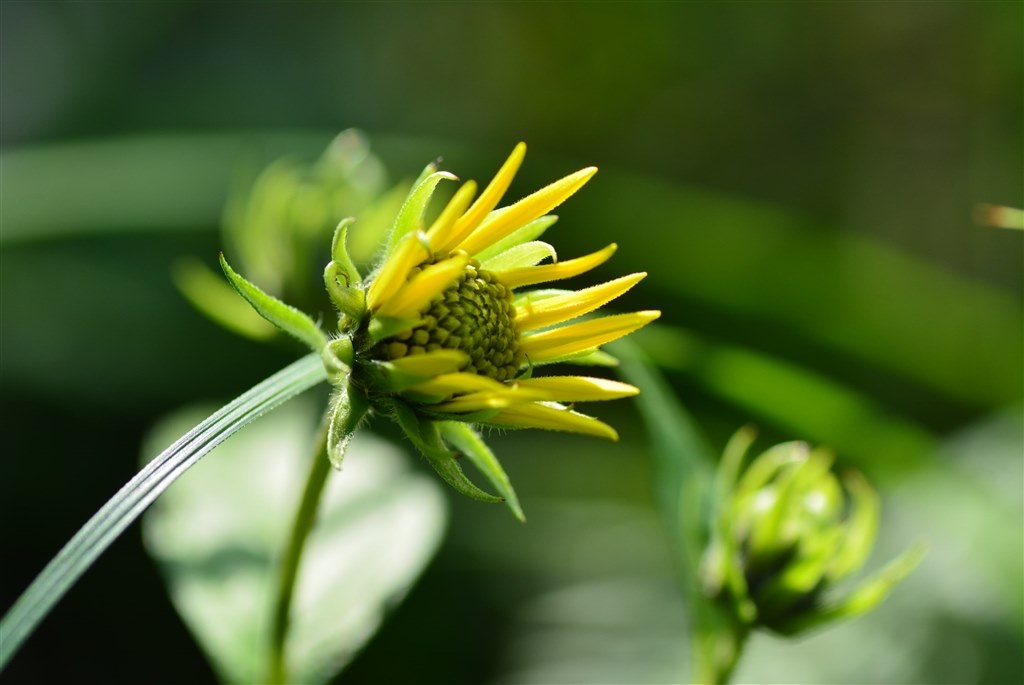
[[579, 179]]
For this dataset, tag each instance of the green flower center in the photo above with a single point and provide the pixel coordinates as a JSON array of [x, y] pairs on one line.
[[475, 315]]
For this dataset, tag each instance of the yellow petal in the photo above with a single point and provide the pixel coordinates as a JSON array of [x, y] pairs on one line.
[[529, 208], [554, 310], [487, 201], [531, 275], [552, 417], [456, 383], [579, 388], [411, 251], [477, 401], [418, 291], [432, 364], [440, 231], [583, 335]]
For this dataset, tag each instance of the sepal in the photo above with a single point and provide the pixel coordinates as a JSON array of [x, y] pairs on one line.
[[287, 318], [349, 299], [425, 436], [348, 408], [338, 357], [410, 217], [468, 441], [339, 253]]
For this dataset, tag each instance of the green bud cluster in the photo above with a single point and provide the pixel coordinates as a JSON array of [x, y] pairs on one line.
[[474, 314], [786, 529]]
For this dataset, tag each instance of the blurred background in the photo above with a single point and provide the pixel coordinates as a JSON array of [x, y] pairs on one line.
[[799, 179]]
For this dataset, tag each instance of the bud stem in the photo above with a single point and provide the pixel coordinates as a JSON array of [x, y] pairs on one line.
[[716, 647]]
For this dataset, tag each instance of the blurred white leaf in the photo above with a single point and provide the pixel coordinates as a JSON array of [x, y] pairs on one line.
[[218, 532]]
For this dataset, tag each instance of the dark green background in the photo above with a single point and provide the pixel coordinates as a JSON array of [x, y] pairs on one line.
[[798, 178]]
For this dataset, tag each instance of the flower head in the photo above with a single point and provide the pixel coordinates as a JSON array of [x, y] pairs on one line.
[[445, 333], [785, 532]]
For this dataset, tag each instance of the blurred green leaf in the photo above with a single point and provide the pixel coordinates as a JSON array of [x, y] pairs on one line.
[[217, 533], [838, 289], [107, 524], [278, 218], [131, 184], [683, 460], [796, 399]]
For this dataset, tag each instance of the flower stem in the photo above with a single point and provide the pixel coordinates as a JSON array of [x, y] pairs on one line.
[[305, 517], [716, 649]]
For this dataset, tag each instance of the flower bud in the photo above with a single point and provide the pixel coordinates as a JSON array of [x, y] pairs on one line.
[[785, 530]]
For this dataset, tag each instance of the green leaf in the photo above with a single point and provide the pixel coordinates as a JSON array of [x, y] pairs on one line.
[[217, 535], [822, 286], [425, 436], [113, 517], [796, 399], [287, 318], [218, 301], [410, 218], [468, 441], [682, 457], [348, 408]]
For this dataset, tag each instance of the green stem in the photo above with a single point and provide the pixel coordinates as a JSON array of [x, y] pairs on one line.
[[305, 517], [716, 649]]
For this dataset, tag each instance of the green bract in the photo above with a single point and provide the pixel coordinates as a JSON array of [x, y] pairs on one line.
[[785, 529]]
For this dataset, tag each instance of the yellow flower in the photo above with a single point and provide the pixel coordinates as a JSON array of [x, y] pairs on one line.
[[444, 335], [472, 334]]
